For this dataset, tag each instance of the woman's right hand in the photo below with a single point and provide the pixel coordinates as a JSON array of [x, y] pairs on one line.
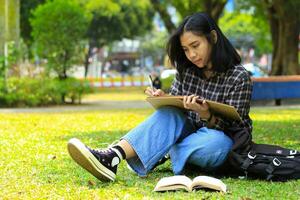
[[154, 92]]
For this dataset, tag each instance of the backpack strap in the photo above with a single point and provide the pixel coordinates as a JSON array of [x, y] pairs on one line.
[[248, 161], [274, 150], [271, 167]]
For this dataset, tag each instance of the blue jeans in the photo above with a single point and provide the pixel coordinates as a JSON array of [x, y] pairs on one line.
[[168, 130]]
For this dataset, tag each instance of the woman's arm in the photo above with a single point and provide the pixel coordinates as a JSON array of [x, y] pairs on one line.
[[239, 97], [176, 87]]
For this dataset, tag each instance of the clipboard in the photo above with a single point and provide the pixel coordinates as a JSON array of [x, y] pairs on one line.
[[221, 109]]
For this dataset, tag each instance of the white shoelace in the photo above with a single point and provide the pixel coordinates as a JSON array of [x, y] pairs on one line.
[[108, 147]]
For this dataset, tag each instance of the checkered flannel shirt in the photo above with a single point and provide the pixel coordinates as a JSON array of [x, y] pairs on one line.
[[233, 87]]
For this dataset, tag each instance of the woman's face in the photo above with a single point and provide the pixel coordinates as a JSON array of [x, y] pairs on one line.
[[196, 48]]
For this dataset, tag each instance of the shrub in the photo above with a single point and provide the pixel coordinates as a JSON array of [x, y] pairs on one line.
[[72, 89], [43, 91], [58, 26]]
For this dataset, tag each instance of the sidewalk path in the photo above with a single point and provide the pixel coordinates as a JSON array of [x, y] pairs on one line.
[[108, 105], [85, 106]]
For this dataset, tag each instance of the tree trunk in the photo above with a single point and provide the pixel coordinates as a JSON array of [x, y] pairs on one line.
[[65, 65], [92, 44], [285, 56], [163, 13], [274, 28], [214, 8], [86, 62], [284, 23]]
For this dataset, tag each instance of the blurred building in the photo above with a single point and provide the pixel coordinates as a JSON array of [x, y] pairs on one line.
[[125, 55], [122, 58], [122, 61]]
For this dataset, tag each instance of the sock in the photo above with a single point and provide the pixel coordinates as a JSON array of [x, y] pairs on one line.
[[119, 151]]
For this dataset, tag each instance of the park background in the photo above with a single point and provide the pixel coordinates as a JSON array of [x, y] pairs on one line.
[[78, 68]]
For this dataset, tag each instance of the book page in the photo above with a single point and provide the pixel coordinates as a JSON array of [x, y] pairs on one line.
[[209, 182], [173, 183]]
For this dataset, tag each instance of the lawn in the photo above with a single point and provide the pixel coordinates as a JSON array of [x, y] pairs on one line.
[[34, 162], [117, 94]]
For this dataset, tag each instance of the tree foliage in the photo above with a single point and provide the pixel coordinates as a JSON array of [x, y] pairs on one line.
[[26, 8], [116, 19], [247, 31], [213, 7], [284, 23], [58, 28]]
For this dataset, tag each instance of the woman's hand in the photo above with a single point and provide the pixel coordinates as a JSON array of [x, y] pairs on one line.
[[190, 102], [154, 92]]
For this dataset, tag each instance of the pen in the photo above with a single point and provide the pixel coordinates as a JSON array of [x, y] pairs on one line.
[[151, 82]]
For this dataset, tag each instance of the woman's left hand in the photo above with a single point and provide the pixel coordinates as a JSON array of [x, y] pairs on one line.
[[190, 102]]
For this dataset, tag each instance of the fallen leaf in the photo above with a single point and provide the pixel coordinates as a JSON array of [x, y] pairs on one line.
[[52, 157], [91, 183]]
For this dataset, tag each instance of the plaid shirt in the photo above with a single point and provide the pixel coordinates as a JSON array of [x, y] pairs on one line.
[[233, 87]]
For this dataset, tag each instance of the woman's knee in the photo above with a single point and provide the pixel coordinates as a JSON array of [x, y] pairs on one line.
[[169, 110], [215, 139], [208, 160], [213, 151]]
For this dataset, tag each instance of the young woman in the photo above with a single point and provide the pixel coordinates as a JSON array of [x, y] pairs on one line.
[[209, 68]]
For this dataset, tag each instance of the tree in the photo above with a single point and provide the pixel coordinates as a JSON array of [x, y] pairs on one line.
[[115, 19], [284, 22], [213, 7], [58, 27], [284, 19], [161, 8], [26, 9], [247, 31]]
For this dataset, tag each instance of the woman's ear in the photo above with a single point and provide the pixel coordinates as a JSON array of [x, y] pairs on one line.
[[214, 36]]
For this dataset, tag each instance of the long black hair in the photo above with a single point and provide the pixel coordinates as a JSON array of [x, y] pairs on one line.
[[223, 54]]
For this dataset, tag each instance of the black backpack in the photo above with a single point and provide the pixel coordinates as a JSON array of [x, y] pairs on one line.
[[264, 161]]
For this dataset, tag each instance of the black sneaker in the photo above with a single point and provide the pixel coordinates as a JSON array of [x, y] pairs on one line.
[[102, 164]]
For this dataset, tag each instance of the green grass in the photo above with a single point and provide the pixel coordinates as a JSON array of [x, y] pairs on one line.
[[117, 94], [34, 162]]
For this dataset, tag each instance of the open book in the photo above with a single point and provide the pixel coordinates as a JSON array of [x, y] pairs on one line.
[[180, 182], [221, 109]]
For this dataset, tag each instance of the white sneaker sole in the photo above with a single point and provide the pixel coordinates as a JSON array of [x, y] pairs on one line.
[[88, 161]]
